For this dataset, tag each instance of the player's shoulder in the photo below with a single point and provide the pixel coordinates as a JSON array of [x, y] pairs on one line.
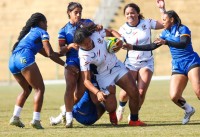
[[183, 27], [39, 31], [86, 20]]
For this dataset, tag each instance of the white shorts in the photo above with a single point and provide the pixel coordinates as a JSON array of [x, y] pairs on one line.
[[136, 66], [110, 77]]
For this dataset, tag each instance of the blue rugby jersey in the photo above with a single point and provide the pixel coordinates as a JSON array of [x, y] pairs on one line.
[[67, 34], [174, 34], [33, 40]]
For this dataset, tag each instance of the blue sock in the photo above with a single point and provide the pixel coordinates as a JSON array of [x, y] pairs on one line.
[[134, 117], [122, 104]]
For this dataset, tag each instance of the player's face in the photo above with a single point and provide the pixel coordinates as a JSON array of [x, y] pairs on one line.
[[167, 22], [131, 16], [75, 15], [43, 25]]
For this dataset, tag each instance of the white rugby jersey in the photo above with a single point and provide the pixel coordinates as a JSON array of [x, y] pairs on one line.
[[139, 35], [98, 56]]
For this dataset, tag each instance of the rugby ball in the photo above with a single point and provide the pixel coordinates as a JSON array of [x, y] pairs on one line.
[[111, 43]]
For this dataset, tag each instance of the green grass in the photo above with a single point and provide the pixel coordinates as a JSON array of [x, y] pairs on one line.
[[161, 115]]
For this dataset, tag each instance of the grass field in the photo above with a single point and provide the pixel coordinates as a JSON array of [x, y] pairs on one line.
[[161, 115]]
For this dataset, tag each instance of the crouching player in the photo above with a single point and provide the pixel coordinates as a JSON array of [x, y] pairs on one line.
[[86, 111]]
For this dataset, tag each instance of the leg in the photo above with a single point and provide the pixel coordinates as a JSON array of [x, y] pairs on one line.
[[178, 83], [35, 80], [144, 79], [21, 99], [128, 84], [80, 89], [194, 77], [123, 98], [71, 77], [111, 104]]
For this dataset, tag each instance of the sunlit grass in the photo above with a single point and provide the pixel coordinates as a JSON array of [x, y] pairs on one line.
[[161, 115]]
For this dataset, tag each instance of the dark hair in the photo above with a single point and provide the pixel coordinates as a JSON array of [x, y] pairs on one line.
[[173, 14], [31, 22], [72, 5], [83, 33], [134, 6]]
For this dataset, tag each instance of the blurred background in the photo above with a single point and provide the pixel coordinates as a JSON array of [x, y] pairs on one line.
[[109, 13]]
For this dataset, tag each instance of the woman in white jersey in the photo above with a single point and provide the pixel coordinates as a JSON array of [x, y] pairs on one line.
[[137, 31], [110, 70]]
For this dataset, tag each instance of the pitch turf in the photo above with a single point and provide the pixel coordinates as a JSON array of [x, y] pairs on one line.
[[161, 115]]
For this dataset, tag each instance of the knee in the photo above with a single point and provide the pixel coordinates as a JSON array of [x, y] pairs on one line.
[[142, 93], [174, 98], [197, 91]]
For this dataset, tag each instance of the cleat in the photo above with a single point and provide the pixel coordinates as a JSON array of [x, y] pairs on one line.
[[54, 121], [36, 124], [63, 120], [16, 122], [137, 123], [120, 112], [69, 125], [113, 118], [187, 116]]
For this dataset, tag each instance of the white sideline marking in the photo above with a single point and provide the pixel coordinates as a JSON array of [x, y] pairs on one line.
[[62, 81]]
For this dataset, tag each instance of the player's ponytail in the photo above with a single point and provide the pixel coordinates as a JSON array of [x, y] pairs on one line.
[[31, 22]]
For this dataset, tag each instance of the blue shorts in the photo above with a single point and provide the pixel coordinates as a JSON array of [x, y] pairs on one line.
[[184, 65], [85, 111], [73, 61], [20, 60]]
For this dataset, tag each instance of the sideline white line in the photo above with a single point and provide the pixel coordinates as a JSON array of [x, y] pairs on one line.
[[62, 81]]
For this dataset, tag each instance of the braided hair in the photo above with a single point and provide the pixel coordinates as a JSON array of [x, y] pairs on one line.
[[173, 14], [31, 22], [83, 33], [136, 7]]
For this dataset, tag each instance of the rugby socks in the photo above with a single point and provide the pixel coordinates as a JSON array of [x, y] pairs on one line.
[[17, 111], [134, 117], [69, 117], [63, 110], [36, 116], [122, 104], [187, 107]]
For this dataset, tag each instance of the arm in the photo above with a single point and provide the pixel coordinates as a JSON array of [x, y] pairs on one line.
[[88, 84], [147, 47], [113, 33], [161, 6], [184, 41], [64, 49], [50, 53]]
